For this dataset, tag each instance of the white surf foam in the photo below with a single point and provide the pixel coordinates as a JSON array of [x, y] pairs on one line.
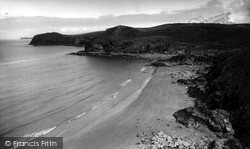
[[114, 95], [40, 133], [80, 115], [94, 107], [61, 132], [125, 82], [143, 69]]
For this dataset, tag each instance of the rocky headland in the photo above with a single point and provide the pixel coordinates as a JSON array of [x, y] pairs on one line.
[[24, 38], [163, 39], [220, 88], [54, 38], [222, 99]]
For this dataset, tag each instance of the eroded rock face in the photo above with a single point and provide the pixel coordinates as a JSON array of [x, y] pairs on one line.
[[224, 92], [228, 89], [52, 39], [129, 46], [55, 38], [216, 120]]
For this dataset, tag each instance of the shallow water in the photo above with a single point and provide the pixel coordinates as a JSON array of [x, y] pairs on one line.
[[42, 87]]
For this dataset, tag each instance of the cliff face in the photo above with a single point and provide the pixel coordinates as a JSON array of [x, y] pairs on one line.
[[52, 39], [222, 93], [61, 39], [170, 37], [164, 39], [228, 89]]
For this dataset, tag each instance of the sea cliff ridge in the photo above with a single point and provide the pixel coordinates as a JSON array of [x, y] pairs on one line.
[[163, 39]]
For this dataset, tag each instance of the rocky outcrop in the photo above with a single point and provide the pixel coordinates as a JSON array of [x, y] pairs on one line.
[[24, 38], [228, 89], [159, 64], [62, 39], [52, 39], [159, 140], [163, 39], [170, 38], [216, 120], [223, 105]]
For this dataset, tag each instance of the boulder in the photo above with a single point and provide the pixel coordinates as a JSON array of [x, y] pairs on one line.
[[225, 144], [158, 64], [216, 120]]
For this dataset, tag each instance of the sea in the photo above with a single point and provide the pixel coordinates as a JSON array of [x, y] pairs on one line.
[[42, 87]]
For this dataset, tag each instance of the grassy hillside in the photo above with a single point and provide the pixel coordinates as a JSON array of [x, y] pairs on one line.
[[62, 39], [163, 39], [170, 37]]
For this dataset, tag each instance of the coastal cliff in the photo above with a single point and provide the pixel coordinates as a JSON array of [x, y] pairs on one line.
[[55, 38], [222, 99], [170, 38], [163, 39]]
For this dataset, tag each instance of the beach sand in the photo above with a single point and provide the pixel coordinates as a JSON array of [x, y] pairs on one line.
[[148, 109]]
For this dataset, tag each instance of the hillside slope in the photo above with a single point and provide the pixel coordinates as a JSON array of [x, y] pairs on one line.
[[160, 39], [55, 38], [228, 89], [169, 38]]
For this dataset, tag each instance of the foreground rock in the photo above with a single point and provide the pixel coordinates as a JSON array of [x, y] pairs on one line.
[[223, 105], [216, 120], [228, 89], [160, 64], [159, 140]]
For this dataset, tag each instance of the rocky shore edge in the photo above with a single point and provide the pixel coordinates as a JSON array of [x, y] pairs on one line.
[[151, 57], [220, 90]]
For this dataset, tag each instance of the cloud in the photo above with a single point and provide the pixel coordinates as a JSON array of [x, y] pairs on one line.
[[240, 11], [210, 9], [30, 26], [214, 3]]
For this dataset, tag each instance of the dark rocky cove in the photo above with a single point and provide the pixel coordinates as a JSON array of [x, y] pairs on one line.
[[222, 98]]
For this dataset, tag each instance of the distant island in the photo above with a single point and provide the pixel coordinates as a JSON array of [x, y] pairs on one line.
[[22, 38]]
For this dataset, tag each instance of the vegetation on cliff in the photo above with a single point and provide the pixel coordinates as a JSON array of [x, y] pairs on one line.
[[223, 98], [55, 38], [163, 39], [228, 89], [170, 38]]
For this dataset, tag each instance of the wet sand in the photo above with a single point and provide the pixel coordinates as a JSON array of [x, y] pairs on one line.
[[114, 125]]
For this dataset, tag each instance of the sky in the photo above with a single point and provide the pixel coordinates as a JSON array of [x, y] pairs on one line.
[[19, 18]]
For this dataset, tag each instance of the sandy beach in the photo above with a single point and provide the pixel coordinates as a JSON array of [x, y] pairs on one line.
[[150, 108]]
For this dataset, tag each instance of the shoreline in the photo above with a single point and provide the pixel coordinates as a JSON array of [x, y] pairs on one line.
[[146, 56], [227, 134], [142, 111]]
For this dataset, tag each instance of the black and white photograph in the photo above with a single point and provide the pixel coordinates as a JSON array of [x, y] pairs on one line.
[[124, 74]]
